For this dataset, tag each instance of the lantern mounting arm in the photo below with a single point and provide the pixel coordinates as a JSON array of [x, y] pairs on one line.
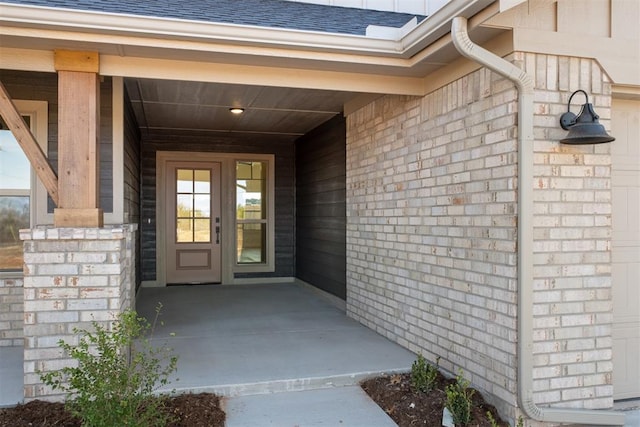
[[569, 119]]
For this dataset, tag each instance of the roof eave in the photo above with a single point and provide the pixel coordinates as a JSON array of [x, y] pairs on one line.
[[143, 27]]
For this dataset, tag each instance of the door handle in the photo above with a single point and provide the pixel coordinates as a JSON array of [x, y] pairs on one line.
[[217, 234]]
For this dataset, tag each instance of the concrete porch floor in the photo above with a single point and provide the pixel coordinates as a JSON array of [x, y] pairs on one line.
[[253, 339], [280, 354]]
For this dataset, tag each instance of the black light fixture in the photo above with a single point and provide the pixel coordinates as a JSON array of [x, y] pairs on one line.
[[583, 128]]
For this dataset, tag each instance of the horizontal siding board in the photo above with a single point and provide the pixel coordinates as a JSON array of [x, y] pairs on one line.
[[322, 198], [335, 210], [321, 207]]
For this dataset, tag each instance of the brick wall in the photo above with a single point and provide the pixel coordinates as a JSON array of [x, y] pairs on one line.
[[11, 312], [572, 260], [431, 232], [72, 276]]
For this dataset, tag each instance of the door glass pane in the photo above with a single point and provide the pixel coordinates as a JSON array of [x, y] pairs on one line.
[[185, 180], [202, 206], [185, 206], [14, 215], [202, 181], [202, 230], [193, 205], [184, 230], [251, 243]]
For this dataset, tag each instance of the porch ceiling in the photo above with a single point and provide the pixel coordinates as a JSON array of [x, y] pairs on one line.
[[200, 106]]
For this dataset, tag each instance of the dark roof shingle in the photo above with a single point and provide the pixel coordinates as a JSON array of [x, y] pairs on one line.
[[264, 13]]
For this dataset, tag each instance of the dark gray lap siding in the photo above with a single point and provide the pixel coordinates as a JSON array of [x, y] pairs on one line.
[[321, 207]]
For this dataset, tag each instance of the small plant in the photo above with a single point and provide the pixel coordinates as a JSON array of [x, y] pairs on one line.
[[423, 374], [116, 374], [492, 420], [458, 400], [520, 422]]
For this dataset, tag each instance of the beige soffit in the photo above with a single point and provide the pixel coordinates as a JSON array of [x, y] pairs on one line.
[[35, 27]]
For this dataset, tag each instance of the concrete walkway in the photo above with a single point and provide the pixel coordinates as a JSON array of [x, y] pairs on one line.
[[279, 353], [11, 377]]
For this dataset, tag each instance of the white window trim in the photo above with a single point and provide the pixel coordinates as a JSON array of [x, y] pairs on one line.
[[228, 202]]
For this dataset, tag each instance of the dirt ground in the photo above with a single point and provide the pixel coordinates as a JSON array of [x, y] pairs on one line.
[[410, 408], [189, 410], [394, 394]]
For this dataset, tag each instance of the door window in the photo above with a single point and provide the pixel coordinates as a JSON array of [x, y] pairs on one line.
[[193, 205]]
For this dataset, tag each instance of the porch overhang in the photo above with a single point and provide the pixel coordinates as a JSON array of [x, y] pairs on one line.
[[129, 46]]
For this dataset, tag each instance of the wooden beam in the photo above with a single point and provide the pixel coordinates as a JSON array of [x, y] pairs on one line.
[[28, 143], [93, 218], [68, 60]]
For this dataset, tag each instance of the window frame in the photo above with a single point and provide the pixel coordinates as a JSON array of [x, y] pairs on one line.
[[267, 221], [37, 111]]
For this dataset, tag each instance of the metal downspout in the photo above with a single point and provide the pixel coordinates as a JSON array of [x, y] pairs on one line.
[[524, 84]]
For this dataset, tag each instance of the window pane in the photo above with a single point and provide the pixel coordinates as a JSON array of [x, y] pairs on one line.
[[184, 180], [185, 206], [250, 190], [184, 231], [15, 170], [251, 243], [193, 211], [14, 215], [202, 230], [202, 181], [202, 206]]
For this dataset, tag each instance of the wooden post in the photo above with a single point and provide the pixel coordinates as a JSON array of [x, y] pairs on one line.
[[78, 140]]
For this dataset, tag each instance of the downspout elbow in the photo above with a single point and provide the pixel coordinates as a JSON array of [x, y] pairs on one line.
[[525, 86]]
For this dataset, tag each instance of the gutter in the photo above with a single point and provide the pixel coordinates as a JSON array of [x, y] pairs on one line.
[[524, 83]]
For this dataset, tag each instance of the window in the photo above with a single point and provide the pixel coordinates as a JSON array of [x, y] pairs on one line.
[[193, 213], [20, 193], [251, 212]]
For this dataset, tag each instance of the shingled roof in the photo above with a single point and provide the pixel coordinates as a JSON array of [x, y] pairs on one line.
[[263, 13]]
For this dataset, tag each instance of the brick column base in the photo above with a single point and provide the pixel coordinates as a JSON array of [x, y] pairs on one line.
[[72, 276]]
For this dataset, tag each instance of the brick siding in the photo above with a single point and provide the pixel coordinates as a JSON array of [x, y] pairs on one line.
[[11, 312], [432, 226], [72, 277]]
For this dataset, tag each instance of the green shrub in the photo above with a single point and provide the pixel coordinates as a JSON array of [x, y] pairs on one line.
[[458, 400], [423, 374], [117, 372], [492, 420]]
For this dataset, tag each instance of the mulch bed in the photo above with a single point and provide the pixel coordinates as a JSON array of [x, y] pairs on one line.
[[393, 393], [409, 407], [188, 410]]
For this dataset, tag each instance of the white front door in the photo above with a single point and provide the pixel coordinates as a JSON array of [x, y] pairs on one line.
[[192, 222], [625, 185]]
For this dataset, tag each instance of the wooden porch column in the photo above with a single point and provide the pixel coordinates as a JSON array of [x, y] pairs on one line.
[[78, 140]]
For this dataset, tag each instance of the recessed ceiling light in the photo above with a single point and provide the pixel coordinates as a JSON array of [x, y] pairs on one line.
[[236, 110]]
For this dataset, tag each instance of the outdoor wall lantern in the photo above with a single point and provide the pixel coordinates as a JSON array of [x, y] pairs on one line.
[[583, 128]]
